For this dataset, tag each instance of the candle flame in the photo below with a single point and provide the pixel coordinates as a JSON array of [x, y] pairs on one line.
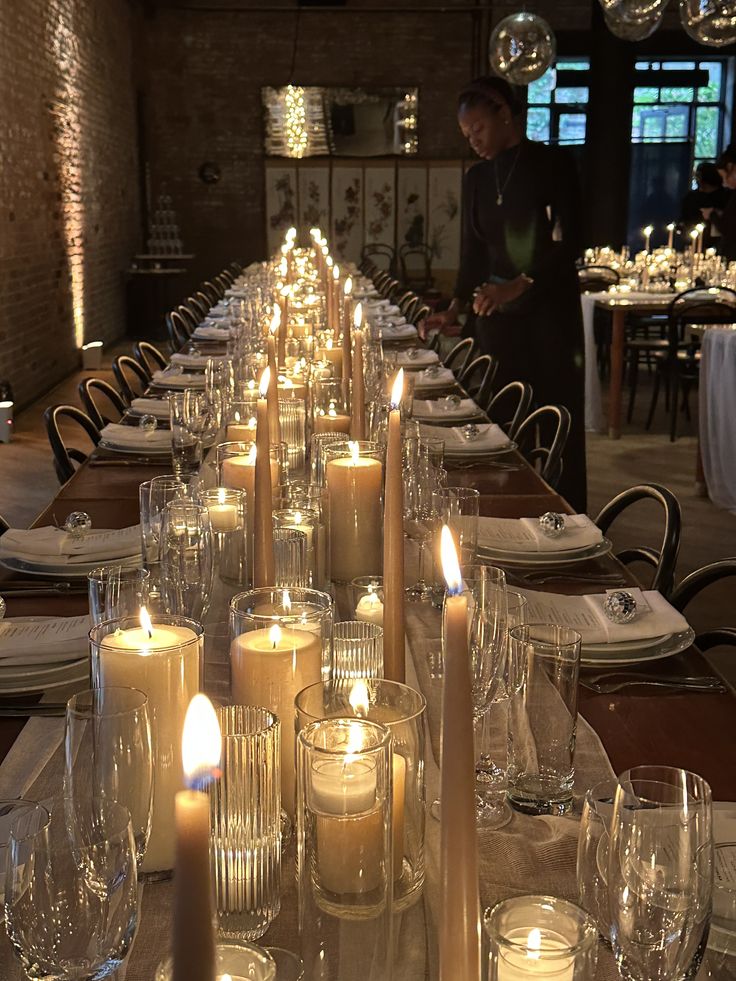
[[331, 411], [450, 562], [237, 416], [283, 266], [265, 382], [274, 635], [354, 451], [700, 227], [358, 316], [329, 261], [298, 517], [252, 454], [201, 743], [252, 422], [693, 234], [285, 291], [315, 232], [648, 229], [671, 227], [275, 320], [291, 234], [146, 622], [221, 493], [355, 741], [286, 383], [348, 287], [286, 601], [336, 273], [359, 698], [534, 943], [329, 344], [398, 389]]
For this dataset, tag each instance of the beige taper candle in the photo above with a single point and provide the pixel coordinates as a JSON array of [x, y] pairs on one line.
[[357, 402], [264, 569], [393, 544], [272, 396]]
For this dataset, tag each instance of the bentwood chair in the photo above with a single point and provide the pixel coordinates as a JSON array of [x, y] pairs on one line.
[[209, 290], [477, 378], [459, 357], [191, 320], [92, 391], [131, 378], [226, 275], [416, 267], [662, 559], [177, 329], [421, 312], [199, 306], [149, 357], [382, 256], [204, 301], [65, 457], [236, 268], [542, 438], [3, 525], [692, 585], [597, 279], [224, 281], [509, 407]]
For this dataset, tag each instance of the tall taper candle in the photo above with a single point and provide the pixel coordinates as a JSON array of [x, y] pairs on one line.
[[460, 912], [347, 347], [357, 402], [284, 326], [393, 544], [264, 568], [194, 928], [272, 396], [335, 293]]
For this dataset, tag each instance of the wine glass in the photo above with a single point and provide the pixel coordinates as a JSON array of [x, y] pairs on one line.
[[71, 891], [107, 753], [154, 495], [660, 873], [187, 565], [592, 858], [420, 481], [201, 415], [115, 592]]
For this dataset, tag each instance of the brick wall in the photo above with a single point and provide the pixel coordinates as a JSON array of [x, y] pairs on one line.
[[68, 183]]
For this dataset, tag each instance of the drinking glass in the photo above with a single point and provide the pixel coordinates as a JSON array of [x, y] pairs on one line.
[[660, 873], [107, 753], [720, 957], [592, 861], [154, 495], [317, 448], [71, 891], [459, 509], [186, 445], [543, 680], [9, 812], [419, 487], [201, 415], [290, 557], [329, 407], [116, 592], [187, 566], [357, 650], [289, 967]]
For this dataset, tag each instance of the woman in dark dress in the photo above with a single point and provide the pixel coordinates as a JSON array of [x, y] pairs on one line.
[[520, 241]]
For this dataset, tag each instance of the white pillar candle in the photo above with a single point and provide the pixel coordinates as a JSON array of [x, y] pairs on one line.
[[354, 495], [527, 961], [370, 609], [162, 661]]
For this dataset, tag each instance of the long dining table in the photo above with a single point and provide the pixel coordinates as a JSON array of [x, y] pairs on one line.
[[531, 854]]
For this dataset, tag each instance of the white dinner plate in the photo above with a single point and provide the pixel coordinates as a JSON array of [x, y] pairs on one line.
[[74, 674], [458, 457], [41, 675], [79, 570], [636, 651], [132, 450], [566, 557]]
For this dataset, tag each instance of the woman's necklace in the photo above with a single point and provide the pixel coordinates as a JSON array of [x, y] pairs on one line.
[[500, 189]]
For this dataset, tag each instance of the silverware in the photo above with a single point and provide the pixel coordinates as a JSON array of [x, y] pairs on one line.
[[146, 461], [36, 586], [541, 577], [674, 683], [25, 711]]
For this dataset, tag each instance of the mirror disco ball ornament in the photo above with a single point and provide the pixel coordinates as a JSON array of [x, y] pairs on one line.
[[522, 48], [632, 30], [711, 22], [634, 10]]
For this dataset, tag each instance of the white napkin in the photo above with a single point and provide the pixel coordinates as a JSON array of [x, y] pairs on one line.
[[441, 409], [134, 438], [442, 379], [525, 535], [177, 379], [21, 641], [207, 332], [491, 437], [419, 356], [218, 310], [194, 360], [103, 545], [655, 617], [151, 407], [395, 332]]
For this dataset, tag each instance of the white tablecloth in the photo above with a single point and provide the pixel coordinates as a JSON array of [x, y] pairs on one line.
[[593, 401], [718, 415]]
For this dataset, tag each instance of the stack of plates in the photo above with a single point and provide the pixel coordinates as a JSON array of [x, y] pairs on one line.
[[42, 653], [51, 552]]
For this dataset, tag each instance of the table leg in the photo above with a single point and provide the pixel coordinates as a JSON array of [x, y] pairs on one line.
[[701, 488], [618, 338]]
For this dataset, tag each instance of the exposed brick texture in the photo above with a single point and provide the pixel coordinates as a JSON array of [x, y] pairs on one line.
[[68, 182]]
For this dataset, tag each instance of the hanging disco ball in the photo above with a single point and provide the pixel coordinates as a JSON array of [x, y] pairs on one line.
[[633, 10], [632, 30], [522, 48], [711, 22]]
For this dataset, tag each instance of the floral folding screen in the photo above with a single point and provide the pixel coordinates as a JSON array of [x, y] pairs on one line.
[[394, 202]]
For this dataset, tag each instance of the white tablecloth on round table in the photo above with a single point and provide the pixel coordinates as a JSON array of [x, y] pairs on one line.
[[593, 401], [718, 415]]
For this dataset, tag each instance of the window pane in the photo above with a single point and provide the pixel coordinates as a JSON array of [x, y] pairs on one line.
[[572, 96], [537, 125], [572, 127], [676, 124], [676, 95], [653, 126], [706, 132], [540, 91], [712, 91], [574, 66], [644, 94], [678, 65]]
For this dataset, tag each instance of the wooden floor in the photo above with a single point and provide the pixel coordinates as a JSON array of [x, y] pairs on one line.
[[638, 457]]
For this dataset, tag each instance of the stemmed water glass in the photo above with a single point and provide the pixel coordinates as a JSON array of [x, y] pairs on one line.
[[107, 753], [660, 873], [71, 890], [419, 482], [187, 559]]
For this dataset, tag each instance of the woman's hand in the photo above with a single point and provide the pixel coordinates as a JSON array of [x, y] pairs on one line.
[[492, 295], [441, 319]]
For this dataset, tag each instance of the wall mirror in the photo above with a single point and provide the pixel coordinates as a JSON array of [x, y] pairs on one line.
[[311, 121]]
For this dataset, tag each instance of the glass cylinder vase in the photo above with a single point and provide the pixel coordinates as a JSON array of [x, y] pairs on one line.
[[354, 477]]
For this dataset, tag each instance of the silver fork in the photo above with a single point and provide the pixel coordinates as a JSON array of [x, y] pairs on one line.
[[674, 683]]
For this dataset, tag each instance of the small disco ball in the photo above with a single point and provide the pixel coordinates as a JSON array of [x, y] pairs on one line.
[[552, 524], [633, 10], [711, 22], [631, 29], [77, 523], [620, 606], [522, 47], [148, 424]]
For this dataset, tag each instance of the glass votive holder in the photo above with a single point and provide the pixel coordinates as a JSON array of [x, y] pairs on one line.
[[292, 386], [357, 650], [289, 967], [164, 661], [293, 417], [367, 598], [290, 558], [240, 423], [116, 592], [329, 351], [279, 643], [540, 936], [233, 959], [344, 821], [307, 521], [329, 407], [354, 479], [401, 709], [236, 467], [317, 449], [228, 519], [245, 822]]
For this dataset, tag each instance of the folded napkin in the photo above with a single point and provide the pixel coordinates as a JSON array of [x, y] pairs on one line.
[[398, 331], [655, 617], [134, 438], [96, 545], [525, 535], [177, 379], [208, 332], [21, 640], [194, 360], [442, 409], [219, 310], [151, 407], [491, 437], [419, 356], [440, 379]]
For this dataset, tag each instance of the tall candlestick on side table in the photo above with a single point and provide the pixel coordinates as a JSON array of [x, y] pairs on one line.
[[460, 914], [264, 566], [393, 544]]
